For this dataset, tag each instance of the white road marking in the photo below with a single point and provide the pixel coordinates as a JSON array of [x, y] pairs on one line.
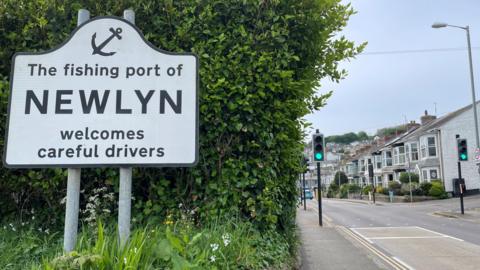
[[405, 237], [376, 228], [444, 235]]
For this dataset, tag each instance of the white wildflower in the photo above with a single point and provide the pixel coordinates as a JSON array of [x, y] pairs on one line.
[[226, 239], [135, 250], [11, 225], [125, 260], [13, 229], [214, 247], [212, 258], [47, 231], [33, 217], [63, 200]]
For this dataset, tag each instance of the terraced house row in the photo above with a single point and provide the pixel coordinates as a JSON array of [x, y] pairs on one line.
[[428, 149]]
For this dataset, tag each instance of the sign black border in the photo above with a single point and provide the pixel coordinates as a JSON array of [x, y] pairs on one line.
[[104, 165]]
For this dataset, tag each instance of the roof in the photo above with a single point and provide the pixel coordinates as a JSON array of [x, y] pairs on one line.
[[437, 123]]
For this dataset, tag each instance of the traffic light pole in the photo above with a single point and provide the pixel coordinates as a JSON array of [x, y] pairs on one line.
[[460, 183], [319, 192], [304, 197], [373, 190]]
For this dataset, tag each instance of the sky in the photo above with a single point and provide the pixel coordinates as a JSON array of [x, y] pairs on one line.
[[383, 90]]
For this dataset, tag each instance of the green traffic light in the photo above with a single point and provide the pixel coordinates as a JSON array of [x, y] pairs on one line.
[[318, 156], [463, 156]]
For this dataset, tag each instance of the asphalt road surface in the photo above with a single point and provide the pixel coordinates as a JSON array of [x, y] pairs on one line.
[[411, 234]]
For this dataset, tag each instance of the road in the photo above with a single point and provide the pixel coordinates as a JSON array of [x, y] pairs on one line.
[[410, 233]]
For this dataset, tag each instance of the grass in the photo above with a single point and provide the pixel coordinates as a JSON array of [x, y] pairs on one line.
[[21, 247], [227, 245]]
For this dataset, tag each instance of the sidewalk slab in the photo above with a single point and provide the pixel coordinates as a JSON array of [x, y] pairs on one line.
[[472, 215], [325, 248]]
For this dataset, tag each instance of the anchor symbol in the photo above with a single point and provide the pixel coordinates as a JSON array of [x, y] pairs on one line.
[[98, 49]]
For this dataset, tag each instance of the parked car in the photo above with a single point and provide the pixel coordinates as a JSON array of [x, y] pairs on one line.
[[308, 194]]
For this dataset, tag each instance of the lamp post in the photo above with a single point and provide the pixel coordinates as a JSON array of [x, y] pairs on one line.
[[467, 29]]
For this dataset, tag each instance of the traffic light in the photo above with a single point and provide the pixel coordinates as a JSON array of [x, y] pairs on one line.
[[462, 149], [305, 164], [318, 147]]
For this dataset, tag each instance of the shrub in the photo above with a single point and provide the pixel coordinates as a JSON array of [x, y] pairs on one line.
[[332, 190], [367, 189], [425, 187], [340, 177], [404, 177], [396, 187], [437, 190], [380, 190], [348, 188]]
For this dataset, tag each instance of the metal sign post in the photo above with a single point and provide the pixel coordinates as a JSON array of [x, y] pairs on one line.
[[304, 195], [370, 175], [125, 189], [73, 184]]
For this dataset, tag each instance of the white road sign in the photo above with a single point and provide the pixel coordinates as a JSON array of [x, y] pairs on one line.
[[104, 97]]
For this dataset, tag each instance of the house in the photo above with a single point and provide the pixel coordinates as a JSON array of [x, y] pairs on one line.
[[436, 153]]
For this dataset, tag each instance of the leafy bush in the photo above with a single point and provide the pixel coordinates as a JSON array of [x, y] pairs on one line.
[[332, 190], [348, 188], [425, 187], [396, 187], [437, 190], [380, 190], [404, 177], [269, 54], [367, 189], [340, 178]]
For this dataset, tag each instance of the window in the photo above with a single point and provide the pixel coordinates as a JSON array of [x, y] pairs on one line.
[[429, 174], [432, 150], [413, 152], [399, 155], [362, 165], [387, 158], [378, 162], [425, 175], [428, 147]]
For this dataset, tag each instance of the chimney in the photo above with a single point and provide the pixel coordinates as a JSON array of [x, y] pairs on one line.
[[412, 125], [425, 119]]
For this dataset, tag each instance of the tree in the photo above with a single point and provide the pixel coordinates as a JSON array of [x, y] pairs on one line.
[[405, 179], [362, 136], [348, 137], [340, 178]]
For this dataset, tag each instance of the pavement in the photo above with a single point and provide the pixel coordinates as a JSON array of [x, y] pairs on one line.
[[326, 247], [422, 236]]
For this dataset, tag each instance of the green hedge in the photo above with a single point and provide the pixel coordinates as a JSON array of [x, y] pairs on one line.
[[260, 63]]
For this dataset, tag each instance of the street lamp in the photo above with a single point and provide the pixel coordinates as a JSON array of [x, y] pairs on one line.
[[466, 28]]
